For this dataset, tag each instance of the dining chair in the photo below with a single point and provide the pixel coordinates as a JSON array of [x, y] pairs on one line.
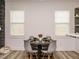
[[33, 39], [28, 49], [51, 49], [47, 39]]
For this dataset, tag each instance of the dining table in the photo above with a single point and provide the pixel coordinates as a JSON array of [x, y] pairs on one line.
[[39, 46]]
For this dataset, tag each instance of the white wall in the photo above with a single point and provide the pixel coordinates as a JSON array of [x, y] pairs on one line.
[[39, 18]]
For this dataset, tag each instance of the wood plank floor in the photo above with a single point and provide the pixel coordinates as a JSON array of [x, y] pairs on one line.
[[57, 55]]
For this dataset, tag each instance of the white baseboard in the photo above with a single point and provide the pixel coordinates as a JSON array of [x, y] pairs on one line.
[[77, 51], [58, 49], [65, 49], [17, 49]]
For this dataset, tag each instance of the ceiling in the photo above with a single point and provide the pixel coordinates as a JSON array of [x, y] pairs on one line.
[[44, 0]]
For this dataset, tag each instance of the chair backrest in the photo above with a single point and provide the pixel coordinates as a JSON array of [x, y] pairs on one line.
[[27, 46], [47, 39], [52, 46], [32, 39]]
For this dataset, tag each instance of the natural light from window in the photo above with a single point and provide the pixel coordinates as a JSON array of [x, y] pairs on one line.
[[62, 22], [17, 22]]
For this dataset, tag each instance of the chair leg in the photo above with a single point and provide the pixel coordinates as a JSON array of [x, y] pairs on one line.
[[36, 56], [43, 56], [30, 56], [26, 55], [48, 56], [52, 56]]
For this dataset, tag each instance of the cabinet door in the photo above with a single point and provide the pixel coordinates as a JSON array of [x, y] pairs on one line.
[[76, 18], [2, 23], [77, 44], [66, 44]]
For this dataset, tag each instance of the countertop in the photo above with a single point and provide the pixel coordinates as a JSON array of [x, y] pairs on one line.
[[73, 35]]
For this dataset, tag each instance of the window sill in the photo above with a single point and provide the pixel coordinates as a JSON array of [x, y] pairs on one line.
[[17, 36]]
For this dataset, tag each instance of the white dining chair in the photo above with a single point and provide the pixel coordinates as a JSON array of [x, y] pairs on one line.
[[28, 49], [51, 49]]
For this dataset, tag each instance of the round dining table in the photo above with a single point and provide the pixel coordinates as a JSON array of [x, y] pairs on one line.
[[39, 45]]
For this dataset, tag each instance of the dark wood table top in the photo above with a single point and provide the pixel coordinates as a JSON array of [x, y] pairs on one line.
[[40, 42], [44, 45]]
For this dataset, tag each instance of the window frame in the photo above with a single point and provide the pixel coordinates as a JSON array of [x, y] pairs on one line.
[[11, 23], [62, 22]]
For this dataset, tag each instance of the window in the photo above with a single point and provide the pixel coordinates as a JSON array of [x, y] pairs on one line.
[[62, 22], [17, 22]]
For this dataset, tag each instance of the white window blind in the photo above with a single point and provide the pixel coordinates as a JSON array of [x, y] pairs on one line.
[[17, 22], [62, 22]]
